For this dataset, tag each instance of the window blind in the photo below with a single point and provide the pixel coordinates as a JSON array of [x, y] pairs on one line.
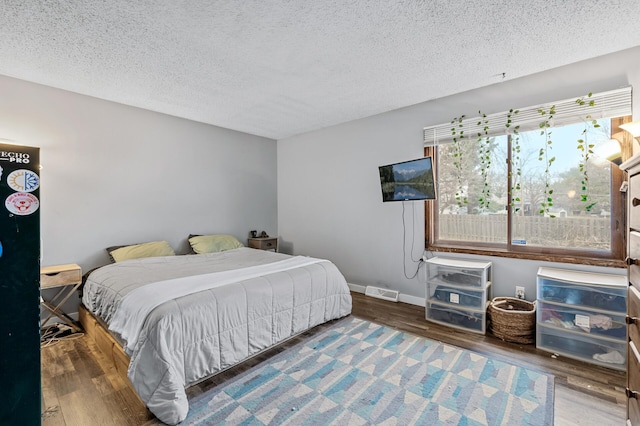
[[614, 103]]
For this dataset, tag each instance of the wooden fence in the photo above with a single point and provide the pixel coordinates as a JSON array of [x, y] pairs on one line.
[[575, 231]]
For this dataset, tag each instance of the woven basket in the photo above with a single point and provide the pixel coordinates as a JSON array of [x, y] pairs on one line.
[[513, 320]]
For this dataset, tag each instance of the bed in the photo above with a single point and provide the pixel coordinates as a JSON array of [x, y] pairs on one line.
[[181, 319]]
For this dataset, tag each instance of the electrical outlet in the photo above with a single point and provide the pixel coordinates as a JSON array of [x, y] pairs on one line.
[[520, 292]]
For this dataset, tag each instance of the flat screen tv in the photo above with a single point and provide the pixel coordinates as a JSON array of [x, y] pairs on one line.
[[409, 180]]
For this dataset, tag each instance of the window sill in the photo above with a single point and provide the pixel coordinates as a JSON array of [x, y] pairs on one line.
[[546, 257]]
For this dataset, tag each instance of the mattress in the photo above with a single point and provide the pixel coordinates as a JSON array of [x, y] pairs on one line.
[[185, 318]]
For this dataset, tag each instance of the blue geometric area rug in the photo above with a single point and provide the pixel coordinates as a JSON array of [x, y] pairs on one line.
[[360, 373]]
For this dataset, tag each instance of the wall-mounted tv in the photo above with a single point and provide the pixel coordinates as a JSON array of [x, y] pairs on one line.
[[409, 180]]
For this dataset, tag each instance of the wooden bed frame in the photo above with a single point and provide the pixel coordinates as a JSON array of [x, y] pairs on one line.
[[107, 344]]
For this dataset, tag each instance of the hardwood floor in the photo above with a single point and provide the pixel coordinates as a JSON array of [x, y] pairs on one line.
[[80, 386]]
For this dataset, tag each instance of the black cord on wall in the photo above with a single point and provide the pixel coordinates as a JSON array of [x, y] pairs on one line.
[[404, 244]]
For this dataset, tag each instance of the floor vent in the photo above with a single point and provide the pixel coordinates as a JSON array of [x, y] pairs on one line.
[[382, 293]]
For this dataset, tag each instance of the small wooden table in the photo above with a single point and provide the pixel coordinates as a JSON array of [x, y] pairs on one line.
[[68, 278], [268, 243]]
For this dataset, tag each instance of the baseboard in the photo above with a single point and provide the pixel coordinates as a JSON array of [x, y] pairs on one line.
[[357, 288], [406, 298], [413, 300]]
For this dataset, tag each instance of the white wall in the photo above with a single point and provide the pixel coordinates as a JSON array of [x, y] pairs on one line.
[[113, 174], [329, 199]]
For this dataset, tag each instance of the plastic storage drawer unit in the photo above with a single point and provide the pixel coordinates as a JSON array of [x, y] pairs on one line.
[[581, 315], [458, 293]]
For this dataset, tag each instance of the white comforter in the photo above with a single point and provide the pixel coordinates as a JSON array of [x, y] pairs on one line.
[[196, 334]]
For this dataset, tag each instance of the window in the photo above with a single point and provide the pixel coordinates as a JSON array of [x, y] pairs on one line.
[[527, 190]]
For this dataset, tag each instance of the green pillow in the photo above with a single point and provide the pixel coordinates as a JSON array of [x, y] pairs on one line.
[[213, 243], [135, 251]]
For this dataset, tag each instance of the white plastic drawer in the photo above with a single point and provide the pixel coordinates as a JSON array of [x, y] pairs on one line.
[[584, 347], [580, 320], [462, 297], [467, 273], [464, 319], [597, 297]]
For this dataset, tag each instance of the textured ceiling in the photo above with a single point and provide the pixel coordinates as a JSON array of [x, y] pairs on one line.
[[277, 68]]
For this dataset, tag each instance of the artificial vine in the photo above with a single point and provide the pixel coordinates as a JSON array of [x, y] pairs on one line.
[[545, 155], [484, 154], [515, 176], [586, 149], [457, 131]]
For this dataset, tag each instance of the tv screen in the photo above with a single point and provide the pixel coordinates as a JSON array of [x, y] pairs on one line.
[[409, 180]]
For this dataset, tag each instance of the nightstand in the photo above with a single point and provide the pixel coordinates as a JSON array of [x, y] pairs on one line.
[[65, 277], [268, 243]]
